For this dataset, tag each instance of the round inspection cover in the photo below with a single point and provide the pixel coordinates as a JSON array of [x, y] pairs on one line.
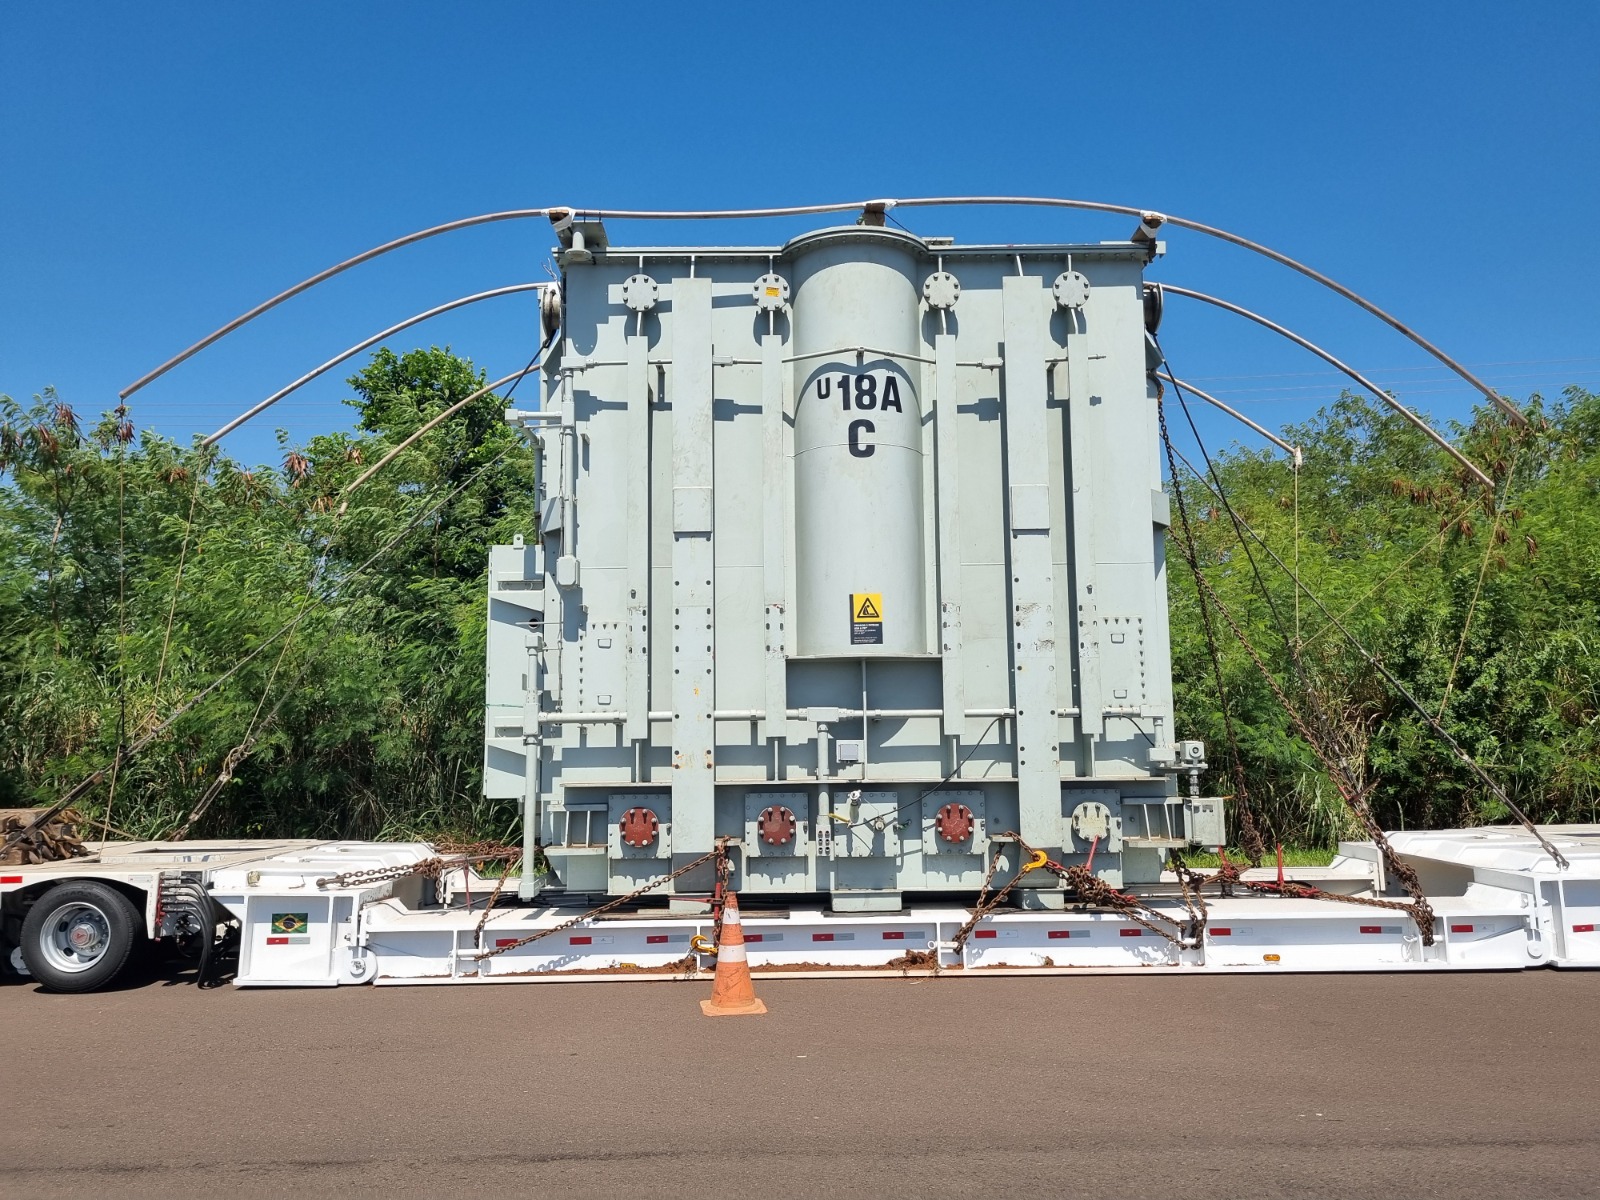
[[775, 825], [771, 292], [941, 290], [1071, 289], [954, 822], [639, 827], [639, 292]]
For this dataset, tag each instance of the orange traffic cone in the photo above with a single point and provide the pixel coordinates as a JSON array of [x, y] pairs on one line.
[[732, 992]]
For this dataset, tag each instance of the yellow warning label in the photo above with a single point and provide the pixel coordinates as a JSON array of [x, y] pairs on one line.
[[866, 618], [866, 607]]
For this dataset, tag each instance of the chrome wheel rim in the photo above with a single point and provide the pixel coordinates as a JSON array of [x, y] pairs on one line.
[[76, 937]]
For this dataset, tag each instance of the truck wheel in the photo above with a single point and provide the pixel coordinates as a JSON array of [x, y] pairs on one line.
[[78, 936]]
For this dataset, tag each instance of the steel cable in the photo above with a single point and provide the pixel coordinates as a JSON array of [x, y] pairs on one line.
[[1145, 217]]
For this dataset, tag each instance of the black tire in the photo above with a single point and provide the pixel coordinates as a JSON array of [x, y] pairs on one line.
[[79, 936]]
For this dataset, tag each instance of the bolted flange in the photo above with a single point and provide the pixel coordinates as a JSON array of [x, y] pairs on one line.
[[639, 293], [941, 290], [1071, 290], [954, 822], [771, 292], [775, 826], [639, 827]]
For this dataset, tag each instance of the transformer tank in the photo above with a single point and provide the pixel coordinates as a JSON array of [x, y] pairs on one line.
[[850, 550]]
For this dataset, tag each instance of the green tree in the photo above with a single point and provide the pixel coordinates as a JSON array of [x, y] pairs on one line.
[[1479, 603], [136, 572]]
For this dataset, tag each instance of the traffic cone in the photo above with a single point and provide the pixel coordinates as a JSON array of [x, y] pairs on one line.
[[732, 992]]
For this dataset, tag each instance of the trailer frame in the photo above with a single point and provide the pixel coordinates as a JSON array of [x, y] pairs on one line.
[[1500, 903]]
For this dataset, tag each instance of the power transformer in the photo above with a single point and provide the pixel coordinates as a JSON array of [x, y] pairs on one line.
[[849, 551]]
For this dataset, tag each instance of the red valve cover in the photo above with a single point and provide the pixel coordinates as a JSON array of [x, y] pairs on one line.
[[775, 826], [954, 822], [639, 827]]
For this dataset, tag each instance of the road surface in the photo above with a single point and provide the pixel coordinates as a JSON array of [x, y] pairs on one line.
[[1297, 1086]]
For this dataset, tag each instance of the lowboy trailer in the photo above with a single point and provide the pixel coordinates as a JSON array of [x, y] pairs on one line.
[[320, 914]]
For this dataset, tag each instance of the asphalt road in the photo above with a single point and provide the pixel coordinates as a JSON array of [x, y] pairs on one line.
[[1302, 1086]]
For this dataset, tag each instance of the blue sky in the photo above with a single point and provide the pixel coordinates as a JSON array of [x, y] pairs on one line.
[[167, 166]]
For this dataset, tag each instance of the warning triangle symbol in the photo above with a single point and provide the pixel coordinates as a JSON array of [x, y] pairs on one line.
[[868, 611]]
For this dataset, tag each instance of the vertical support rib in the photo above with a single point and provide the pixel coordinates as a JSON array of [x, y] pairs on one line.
[[636, 676], [532, 766], [553, 465], [1091, 716], [774, 532], [1033, 631], [948, 546], [693, 683]]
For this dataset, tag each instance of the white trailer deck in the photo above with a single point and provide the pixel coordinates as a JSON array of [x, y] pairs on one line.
[[1500, 903]]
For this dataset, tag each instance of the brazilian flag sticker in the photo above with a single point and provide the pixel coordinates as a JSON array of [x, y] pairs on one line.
[[290, 922]]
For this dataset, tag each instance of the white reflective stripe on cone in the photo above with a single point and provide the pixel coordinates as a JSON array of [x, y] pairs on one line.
[[731, 954], [730, 915]]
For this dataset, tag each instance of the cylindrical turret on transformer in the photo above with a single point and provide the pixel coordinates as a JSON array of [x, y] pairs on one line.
[[858, 446]]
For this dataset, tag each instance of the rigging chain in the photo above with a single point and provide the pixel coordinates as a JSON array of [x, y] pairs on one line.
[[1091, 889], [609, 906], [427, 868], [983, 908], [1088, 886]]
